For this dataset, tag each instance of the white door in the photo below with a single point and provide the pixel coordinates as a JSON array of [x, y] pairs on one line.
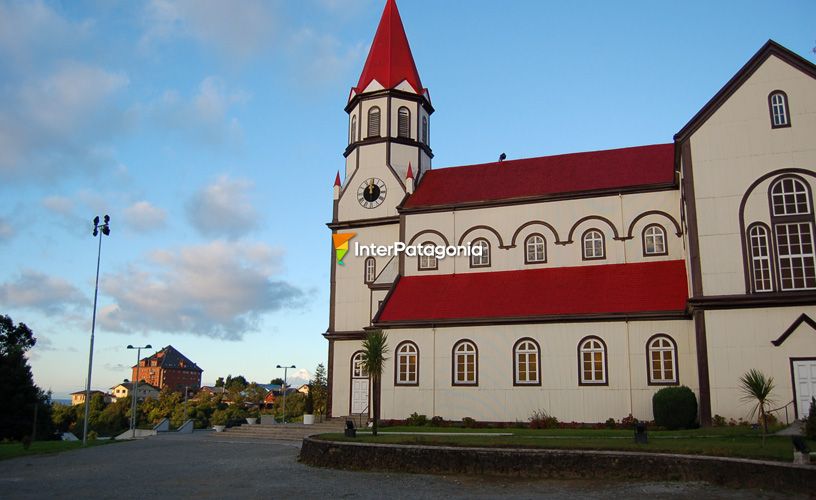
[[359, 395], [804, 380]]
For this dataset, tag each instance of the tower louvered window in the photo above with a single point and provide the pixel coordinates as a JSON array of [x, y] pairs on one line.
[[374, 122], [403, 122]]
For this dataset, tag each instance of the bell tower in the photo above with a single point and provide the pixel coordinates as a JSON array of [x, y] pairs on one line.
[[388, 128]]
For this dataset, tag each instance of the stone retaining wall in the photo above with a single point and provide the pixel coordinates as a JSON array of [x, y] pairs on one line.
[[559, 464]]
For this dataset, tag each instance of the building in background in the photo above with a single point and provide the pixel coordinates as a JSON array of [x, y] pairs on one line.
[[143, 391], [168, 368]]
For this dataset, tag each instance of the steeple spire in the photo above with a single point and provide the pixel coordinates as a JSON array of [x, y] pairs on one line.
[[390, 60]]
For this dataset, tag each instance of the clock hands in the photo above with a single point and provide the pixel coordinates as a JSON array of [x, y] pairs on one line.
[[371, 186]]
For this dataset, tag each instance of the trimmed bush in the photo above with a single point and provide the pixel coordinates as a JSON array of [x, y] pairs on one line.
[[417, 420], [437, 422], [810, 423], [675, 408]]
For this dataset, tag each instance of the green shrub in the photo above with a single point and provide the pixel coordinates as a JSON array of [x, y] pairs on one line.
[[810, 423], [540, 419], [468, 422], [417, 420], [610, 423], [437, 422], [675, 408], [718, 421]]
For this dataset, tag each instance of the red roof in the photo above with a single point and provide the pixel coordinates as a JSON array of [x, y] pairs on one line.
[[390, 60], [546, 175], [533, 293]]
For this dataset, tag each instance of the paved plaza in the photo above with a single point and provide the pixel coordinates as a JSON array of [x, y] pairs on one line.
[[199, 466]]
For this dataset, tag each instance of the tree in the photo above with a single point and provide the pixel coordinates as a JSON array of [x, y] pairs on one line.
[[320, 388], [757, 388], [236, 384], [276, 381], [375, 348], [21, 398], [219, 382]]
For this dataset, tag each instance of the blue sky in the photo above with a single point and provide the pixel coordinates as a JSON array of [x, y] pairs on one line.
[[211, 133]]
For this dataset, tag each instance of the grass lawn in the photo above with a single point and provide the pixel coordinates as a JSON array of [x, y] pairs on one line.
[[740, 442], [15, 449]]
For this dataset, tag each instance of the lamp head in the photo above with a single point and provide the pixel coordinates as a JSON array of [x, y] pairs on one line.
[[130, 347]]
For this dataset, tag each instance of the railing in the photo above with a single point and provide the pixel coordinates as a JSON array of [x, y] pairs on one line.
[[360, 417], [785, 407]]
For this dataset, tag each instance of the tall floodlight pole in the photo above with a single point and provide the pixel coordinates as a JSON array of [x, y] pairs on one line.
[[285, 368], [103, 229], [135, 387]]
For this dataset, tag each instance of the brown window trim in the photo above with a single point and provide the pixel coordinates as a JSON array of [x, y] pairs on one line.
[[787, 219], [419, 259], [787, 108], [475, 382], [489, 254], [365, 270], [516, 383], [397, 383], [649, 361], [605, 382], [771, 257], [603, 245], [665, 241], [533, 262]]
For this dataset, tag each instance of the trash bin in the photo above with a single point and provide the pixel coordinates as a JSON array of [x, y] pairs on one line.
[[640, 433], [351, 432]]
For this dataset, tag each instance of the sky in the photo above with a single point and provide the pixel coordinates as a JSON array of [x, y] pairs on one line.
[[211, 132]]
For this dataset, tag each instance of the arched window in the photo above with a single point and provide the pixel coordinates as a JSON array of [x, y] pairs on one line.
[[465, 363], [425, 130], [654, 240], [370, 269], [353, 134], [427, 262], [407, 364], [792, 221], [662, 360], [526, 362], [374, 122], [592, 361], [535, 249], [483, 258], [357, 370], [760, 257], [403, 122], [778, 106], [593, 244]]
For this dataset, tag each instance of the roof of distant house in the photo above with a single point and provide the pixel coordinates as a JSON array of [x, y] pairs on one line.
[[171, 359]]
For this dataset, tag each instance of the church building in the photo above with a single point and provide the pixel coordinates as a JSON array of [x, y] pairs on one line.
[[601, 276]]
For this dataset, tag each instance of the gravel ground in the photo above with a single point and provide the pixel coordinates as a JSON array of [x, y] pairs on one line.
[[198, 466]]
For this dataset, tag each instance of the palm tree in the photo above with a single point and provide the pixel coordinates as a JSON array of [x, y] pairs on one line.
[[375, 348], [756, 388]]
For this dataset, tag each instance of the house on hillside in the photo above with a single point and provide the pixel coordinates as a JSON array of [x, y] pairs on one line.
[[143, 391], [78, 397], [168, 368]]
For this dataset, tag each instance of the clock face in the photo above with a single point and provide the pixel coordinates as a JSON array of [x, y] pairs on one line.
[[371, 193]]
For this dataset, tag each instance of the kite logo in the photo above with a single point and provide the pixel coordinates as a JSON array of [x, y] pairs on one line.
[[341, 246]]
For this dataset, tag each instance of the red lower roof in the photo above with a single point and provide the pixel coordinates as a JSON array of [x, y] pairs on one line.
[[548, 175], [614, 289]]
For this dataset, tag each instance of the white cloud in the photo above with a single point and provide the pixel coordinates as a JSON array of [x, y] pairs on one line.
[[328, 59], [144, 217], [38, 291], [223, 209], [219, 290]]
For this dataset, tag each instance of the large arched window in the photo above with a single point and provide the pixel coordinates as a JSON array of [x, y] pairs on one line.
[[353, 131], [758, 240], [526, 362], [465, 368], [535, 249], [778, 106], [592, 368], [357, 370], [406, 368], [427, 262], [370, 270], [425, 130], [661, 354], [593, 245], [792, 221], [654, 240], [403, 122], [374, 122], [481, 246]]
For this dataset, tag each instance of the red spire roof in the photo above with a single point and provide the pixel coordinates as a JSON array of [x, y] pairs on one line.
[[390, 60], [410, 174], [337, 179]]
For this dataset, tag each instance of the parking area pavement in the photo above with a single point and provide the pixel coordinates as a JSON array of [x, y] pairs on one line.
[[198, 466]]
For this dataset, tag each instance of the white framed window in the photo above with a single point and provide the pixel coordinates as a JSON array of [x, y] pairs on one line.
[[370, 270], [407, 364], [465, 363], [535, 249], [780, 114], [593, 245], [792, 220], [357, 370], [483, 259], [760, 258], [427, 262], [403, 122], [526, 362], [592, 366], [789, 196], [374, 122], [654, 240], [662, 360]]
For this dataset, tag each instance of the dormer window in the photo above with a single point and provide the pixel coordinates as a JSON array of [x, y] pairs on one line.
[[780, 114], [374, 122], [404, 122]]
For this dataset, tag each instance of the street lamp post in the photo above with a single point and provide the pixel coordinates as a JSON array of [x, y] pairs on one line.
[[285, 368], [135, 387], [103, 228]]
